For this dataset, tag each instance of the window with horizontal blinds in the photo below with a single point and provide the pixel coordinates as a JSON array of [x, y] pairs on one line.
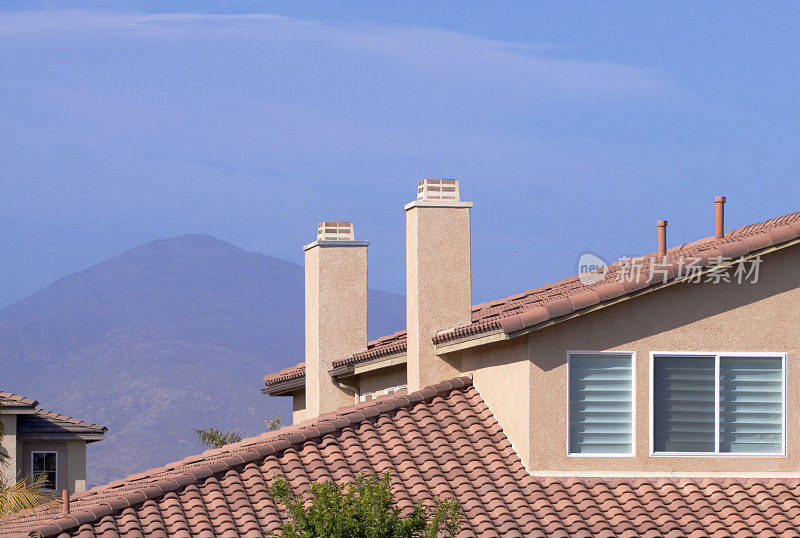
[[751, 405], [718, 404], [683, 404], [600, 403]]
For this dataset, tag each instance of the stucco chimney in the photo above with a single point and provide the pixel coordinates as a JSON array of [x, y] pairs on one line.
[[336, 311], [662, 237], [438, 276], [720, 217]]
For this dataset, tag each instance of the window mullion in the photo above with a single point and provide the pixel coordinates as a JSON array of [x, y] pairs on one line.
[[716, 404]]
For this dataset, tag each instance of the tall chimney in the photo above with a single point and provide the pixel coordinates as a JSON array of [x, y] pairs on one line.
[[438, 276], [662, 237], [720, 228], [336, 311]]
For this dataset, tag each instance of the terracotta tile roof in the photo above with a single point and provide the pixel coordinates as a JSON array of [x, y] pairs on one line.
[[568, 296], [297, 371], [559, 299], [9, 400], [442, 440], [38, 423], [383, 346], [47, 424]]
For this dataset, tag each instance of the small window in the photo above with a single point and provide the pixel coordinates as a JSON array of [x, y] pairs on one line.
[[367, 396], [45, 464], [718, 404], [600, 404]]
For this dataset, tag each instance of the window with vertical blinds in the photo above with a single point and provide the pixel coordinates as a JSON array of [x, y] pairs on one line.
[[718, 404], [600, 403]]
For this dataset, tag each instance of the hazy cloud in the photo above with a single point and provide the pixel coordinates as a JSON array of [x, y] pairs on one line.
[[150, 125]]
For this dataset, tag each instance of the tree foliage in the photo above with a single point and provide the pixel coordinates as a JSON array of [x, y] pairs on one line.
[[273, 423], [363, 509], [214, 438], [23, 494]]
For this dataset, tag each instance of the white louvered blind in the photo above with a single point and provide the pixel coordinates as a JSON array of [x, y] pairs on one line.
[[684, 404], [600, 406], [749, 405]]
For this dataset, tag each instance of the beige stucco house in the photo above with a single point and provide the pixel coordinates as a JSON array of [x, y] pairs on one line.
[[654, 397], [685, 361], [41, 442]]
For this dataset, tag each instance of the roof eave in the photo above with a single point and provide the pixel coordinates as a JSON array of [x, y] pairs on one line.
[[89, 437], [495, 335], [377, 363], [285, 388], [17, 410]]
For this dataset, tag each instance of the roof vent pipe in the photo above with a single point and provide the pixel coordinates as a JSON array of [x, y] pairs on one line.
[[64, 502], [720, 228], [662, 237]]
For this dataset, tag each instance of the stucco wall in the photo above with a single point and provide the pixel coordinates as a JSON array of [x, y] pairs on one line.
[[71, 461], [501, 373], [761, 317], [382, 379], [298, 406], [8, 472], [76, 465]]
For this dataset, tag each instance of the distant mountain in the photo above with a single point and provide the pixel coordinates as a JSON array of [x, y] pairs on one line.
[[169, 336]]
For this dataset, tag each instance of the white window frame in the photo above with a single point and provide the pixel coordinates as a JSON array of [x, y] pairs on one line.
[[632, 453], [33, 472], [382, 392], [717, 355]]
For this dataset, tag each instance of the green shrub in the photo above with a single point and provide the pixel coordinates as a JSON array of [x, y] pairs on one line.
[[363, 509]]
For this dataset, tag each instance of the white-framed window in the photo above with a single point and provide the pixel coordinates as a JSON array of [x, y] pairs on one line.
[[601, 396], [717, 404], [45, 463], [367, 396]]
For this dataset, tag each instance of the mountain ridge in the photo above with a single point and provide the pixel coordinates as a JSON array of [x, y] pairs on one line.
[[168, 336]]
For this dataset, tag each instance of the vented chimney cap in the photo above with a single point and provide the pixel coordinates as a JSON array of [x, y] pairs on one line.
[[437, 192], [336, 234], [438, 189], [335, 231]]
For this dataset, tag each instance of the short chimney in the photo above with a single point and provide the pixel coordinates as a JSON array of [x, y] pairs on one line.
[[662, 237], [336, 311], [64, 503], [438, 276], [720, 224]]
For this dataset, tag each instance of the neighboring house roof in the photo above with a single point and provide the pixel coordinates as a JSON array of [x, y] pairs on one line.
[[383, 346], [13, 401], [559, 300], [440, 441], [286, 375], [40, 424], [291, 378], [46, 425]]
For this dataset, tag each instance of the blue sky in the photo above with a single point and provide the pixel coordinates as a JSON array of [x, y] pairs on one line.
[[572, 126]]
